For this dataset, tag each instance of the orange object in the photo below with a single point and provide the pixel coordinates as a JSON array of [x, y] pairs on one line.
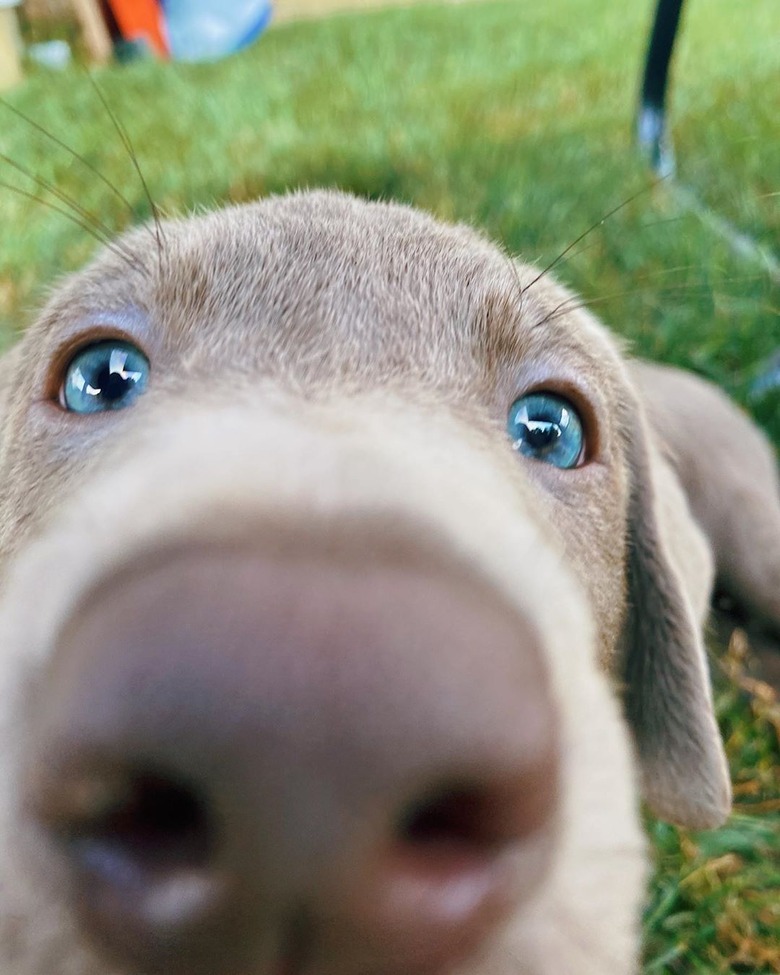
[[142, 20]]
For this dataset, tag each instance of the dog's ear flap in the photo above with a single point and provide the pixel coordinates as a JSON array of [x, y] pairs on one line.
[[668, 699]]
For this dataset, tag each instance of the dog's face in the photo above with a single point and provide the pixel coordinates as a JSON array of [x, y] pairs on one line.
[[314, 592]]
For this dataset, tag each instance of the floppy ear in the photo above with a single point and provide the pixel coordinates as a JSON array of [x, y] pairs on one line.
[[668, 699], [729, 471]]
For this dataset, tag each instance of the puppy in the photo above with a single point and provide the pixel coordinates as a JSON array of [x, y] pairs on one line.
[[353, 586]]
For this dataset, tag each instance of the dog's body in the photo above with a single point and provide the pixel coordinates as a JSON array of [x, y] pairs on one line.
[[365, 641]]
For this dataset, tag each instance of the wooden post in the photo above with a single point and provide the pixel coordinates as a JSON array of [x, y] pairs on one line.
[[94, 30], [10, 46]]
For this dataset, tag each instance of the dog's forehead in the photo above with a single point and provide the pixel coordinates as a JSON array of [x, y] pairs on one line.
[[324, 274], [325, 286]]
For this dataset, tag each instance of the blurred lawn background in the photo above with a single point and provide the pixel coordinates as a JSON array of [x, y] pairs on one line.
[[516, 117]]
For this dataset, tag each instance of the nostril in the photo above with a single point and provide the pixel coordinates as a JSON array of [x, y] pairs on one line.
[[123, 821], [157, 820], [462, 854], [453, 816], [145, 861], [478, 818]]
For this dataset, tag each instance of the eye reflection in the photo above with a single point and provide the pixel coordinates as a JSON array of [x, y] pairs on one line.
[[546, 427], [107, 375]]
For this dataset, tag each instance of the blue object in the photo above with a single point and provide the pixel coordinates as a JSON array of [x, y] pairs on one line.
[[104, 376], [205, 30], [769, 379], [546, 426]]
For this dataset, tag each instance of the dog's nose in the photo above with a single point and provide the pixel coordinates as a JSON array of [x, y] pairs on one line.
[[284, 762]]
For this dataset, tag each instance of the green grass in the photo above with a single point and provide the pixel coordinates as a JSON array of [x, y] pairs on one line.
[[507, 116], [518, 118], [715, 899]]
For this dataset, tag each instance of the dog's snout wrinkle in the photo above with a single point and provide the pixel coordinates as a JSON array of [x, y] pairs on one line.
[[226, 734]]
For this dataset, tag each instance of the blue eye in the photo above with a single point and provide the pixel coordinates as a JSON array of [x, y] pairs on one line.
[[105, 376], [548, 428]]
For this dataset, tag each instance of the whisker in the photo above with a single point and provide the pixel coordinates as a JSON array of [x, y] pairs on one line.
[[69, 214], [61, 195], [663, 221], [650, 276], [576, 302], [611, 213], [643, 226], [127, 143], [512, 260], [71, 152], [88, 221]]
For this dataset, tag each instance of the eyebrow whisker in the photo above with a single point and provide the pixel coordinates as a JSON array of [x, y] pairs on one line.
[[61, 195], [575, 302], [127, 143], [71, 152], [594, 226], [90, 227]]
